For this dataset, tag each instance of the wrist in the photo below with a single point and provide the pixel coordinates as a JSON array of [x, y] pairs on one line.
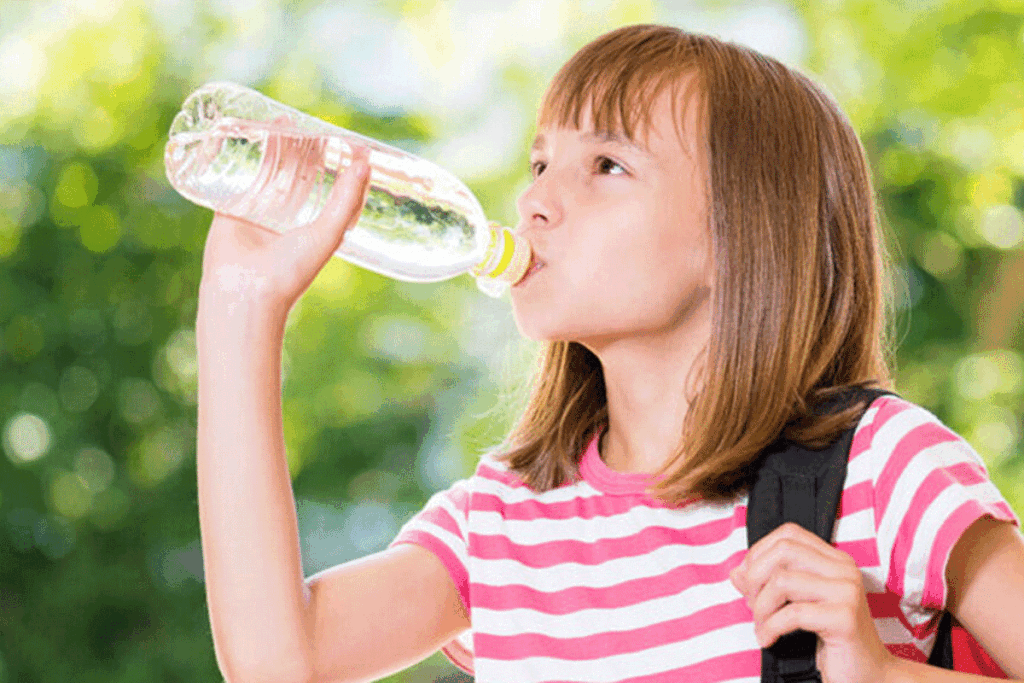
[[221, 313]]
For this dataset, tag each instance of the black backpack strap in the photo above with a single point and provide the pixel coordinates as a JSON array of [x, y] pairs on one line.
[[797, 484], [942, 651]]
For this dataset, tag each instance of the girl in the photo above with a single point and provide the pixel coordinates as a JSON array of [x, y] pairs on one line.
[[707, 271]]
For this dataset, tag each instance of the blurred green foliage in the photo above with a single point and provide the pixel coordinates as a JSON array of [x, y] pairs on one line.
[[391, 389]]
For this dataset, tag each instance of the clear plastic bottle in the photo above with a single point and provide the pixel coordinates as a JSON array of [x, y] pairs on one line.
[[236, 151]]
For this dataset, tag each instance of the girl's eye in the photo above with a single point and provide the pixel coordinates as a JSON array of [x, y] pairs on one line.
[[604, 164]]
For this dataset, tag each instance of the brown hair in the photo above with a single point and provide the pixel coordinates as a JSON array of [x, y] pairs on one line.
[[802, 295]]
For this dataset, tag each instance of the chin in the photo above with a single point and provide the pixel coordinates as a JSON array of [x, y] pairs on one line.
[[531, 329], [552, 333], [540, 322], [534, 333]]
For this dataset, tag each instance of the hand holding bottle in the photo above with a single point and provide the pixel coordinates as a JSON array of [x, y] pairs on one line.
[[246, 263]]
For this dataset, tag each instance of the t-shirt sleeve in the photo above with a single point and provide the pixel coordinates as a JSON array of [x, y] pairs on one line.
[[442, 528], [930, 486]]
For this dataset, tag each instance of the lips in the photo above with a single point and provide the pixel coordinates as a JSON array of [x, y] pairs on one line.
[[535, 265]]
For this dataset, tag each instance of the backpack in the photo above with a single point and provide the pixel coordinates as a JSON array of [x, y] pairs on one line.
[[796, 484]]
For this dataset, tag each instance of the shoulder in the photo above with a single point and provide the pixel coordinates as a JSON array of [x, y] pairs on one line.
[[911, 463], [492, 483], [893, 432], [887, 408], [920, 472], [492, 471]]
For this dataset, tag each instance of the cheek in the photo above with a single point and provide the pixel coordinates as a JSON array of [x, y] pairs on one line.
[[644, 246], [655, 269]]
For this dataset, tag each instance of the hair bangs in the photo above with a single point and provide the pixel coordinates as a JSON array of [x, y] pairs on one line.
[[613, 81]]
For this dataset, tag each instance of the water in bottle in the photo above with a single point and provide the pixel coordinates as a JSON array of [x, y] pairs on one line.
[[233, 150]]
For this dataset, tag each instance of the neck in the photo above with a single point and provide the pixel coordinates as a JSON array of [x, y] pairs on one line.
[[649, 386]]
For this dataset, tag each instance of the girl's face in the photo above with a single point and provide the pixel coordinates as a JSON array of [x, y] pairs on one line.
[[621, 230]]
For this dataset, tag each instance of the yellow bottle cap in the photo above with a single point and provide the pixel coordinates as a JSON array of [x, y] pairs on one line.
[[507, 257]]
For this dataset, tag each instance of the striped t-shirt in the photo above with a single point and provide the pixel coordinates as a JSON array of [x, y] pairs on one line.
[[597, 581]]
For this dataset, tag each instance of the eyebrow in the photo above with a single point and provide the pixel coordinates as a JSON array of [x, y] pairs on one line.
[[601, 136]]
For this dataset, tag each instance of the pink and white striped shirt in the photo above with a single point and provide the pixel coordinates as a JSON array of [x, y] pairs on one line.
[[597, 581]]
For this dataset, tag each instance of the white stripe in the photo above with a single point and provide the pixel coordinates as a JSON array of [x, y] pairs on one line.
[[520, 494], [892, 631], [617, 667], [944, 505], [855, 527], [910, 479]]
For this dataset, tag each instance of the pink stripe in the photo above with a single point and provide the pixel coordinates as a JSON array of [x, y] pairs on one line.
[[1005, 513], [887, 605], [863, 551], [907, 651], [600, 645], [506, 477], [727, 667], [912, 443], [579, 507], [624, 594], [439, 516], [458, 655], [855, 498], [883, 604], [459, 496], [937, 481], [444, 553], [949, 533]]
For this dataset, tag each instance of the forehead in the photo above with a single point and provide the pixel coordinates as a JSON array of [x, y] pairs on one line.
[[587, 133], [670, 124]]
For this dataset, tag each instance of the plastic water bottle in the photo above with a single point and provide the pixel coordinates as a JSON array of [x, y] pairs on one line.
[[238, 152]]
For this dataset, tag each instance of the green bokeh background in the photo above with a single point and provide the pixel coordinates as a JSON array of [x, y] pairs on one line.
[[393, 389]]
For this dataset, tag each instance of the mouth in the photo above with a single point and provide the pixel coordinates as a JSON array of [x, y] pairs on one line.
[[536, 265]]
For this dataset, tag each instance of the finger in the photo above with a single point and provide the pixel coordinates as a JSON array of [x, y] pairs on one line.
[[831, 621], [791, 555], [797, 586], [788, 541], [791, 531]]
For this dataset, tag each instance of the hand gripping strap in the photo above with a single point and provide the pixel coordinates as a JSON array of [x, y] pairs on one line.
[[801, 485]]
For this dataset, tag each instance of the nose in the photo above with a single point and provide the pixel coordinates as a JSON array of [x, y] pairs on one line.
[[538, 204]]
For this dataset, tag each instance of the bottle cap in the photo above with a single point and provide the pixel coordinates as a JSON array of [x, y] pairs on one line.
[[506, 259]]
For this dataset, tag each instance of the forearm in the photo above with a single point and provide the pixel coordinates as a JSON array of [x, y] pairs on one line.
[[907, 671], [256, 594]]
